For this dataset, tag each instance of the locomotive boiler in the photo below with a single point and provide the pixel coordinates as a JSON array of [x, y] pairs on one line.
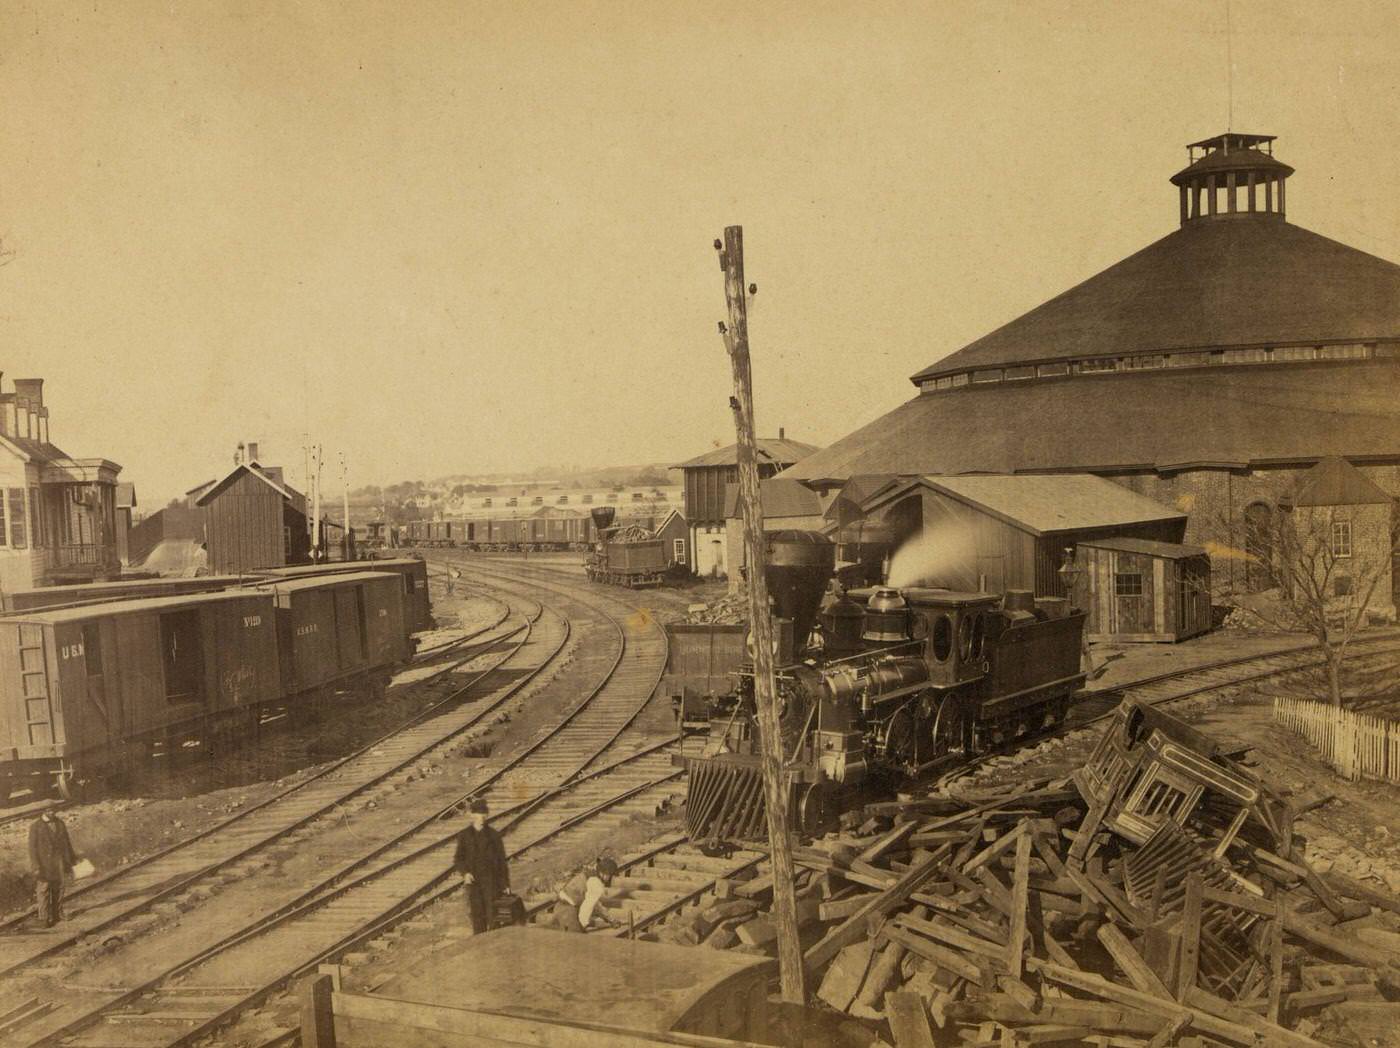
[[879, 687]]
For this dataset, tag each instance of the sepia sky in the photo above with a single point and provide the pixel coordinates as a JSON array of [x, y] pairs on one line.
[[470, 237]]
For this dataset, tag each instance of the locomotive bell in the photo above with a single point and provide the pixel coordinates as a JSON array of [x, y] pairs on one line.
[[886, 617]]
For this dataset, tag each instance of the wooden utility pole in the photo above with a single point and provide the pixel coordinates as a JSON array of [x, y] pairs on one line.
[[775, 784]]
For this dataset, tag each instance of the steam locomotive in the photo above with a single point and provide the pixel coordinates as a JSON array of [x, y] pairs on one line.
[[892, 685]]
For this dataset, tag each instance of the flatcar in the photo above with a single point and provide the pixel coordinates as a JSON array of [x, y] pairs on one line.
[[413, 572], [895, 683], [627, 555], [87, 692]]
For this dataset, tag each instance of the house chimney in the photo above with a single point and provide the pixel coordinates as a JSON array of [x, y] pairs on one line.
[[781, 433], [238, 454], [32, 389], [44, 425], [252, 451], [21, 417]]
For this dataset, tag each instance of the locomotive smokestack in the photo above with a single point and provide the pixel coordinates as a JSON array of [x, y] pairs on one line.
[[602, 517], [799, 565]]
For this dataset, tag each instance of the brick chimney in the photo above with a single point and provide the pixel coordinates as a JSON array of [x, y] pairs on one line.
[[781, 433], [252, 451], [44, 424]]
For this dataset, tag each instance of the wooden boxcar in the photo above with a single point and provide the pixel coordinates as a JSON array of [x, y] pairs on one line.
[[413, 574], [122, 589], [338, 630], [91, 688]]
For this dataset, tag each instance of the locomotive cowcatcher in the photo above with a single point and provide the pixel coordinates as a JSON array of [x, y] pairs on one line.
[[881, 686]]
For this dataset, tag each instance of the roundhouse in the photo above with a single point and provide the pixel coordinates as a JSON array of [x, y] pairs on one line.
[[1207, 371]]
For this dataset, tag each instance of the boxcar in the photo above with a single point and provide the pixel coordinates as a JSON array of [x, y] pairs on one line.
[[87, 690], [127, 589], [337, 631], [418, 611]]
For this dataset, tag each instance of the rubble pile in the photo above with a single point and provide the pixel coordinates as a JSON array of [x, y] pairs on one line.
[[1157, 897], [729, 610]]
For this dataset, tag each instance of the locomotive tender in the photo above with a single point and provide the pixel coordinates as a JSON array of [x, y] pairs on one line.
[[90, 689], [624, 555], [895, 684]]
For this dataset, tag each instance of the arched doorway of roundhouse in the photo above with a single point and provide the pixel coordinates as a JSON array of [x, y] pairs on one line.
[[1258, 546]]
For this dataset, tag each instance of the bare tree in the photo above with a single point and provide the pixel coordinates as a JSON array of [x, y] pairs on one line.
[[1319, 572]]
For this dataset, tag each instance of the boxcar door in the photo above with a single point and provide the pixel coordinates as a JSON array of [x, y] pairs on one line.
[[182, 656], [349, 627]]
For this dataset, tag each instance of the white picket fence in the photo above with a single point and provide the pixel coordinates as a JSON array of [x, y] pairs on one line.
[[1355, 744]]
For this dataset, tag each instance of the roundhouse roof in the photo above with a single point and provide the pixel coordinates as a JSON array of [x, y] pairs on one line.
[[1226, 415], [1241, 280]]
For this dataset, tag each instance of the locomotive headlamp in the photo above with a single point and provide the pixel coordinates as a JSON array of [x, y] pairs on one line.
[[1069, 572]]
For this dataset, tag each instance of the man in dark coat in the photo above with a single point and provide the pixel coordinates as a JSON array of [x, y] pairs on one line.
[[481, 860], [52, 858]]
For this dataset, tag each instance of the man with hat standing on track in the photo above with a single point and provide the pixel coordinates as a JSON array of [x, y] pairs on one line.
[[481, 860], [52, 857]]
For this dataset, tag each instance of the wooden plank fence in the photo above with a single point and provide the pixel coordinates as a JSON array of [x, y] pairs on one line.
[[1355, 744]]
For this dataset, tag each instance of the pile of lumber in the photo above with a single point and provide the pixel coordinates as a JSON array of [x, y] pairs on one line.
[[978, 918]]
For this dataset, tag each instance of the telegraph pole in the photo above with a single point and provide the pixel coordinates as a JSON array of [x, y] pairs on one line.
[[775, 784], [316, 506], [345, 506]]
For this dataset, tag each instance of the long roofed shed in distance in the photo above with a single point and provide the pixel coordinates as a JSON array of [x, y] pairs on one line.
[[1237, 340]]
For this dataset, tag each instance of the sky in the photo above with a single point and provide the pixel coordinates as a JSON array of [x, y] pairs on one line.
[[467, 237]]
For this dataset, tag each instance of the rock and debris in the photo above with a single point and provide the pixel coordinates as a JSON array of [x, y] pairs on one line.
[[1159, 896]]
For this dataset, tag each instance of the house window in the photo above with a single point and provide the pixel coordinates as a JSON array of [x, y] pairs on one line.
[[1051, 370], [1187, 360], [1244, 356], [1026, 371], [1151, 360], [17, 528], [960, 379], [946, 382], [1353, 351], [1284, 353], [678, 550], [990, 375], [1127, 584], [1341, 538]]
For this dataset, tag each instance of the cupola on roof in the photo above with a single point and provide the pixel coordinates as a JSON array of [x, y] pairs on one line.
[[1235, 283]]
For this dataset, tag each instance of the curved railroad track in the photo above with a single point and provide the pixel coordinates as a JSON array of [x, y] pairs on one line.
[[229, 850], [582, 768]]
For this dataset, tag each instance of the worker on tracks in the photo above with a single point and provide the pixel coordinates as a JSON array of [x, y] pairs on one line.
[[583, 898], [481, 860], [52, 857]]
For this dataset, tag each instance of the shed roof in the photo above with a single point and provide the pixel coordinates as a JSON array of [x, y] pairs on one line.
[[781, 452], [1239, 415], [533, 971], [779, 498], [1150, 547], [1046, 503], [1336, 482], [1257, 280]]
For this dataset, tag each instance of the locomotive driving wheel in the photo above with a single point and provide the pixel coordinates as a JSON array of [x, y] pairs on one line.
[[900, 737], [949, 727], [818, 808]]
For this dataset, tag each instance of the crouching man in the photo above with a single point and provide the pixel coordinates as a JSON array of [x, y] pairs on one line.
[[583, 899]]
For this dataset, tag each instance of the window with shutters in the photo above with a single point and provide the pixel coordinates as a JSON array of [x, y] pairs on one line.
[[18, 538], [36, 520]]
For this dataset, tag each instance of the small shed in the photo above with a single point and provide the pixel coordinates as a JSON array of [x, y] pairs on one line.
[[1141, 590], [245, 522], [674, 533]]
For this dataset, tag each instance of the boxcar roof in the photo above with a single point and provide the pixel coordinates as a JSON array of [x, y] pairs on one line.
[[582, 978], [339, 578], [303, 570], [131, 607], [98, 588]]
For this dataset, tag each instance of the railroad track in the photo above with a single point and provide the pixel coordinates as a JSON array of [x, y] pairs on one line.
[[1165, 689], [584, 770], [219, 850]]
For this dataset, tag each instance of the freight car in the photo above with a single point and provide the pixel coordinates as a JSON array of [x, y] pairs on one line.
[[413, 574], [627, 555], [87, 692], [896, 684]]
